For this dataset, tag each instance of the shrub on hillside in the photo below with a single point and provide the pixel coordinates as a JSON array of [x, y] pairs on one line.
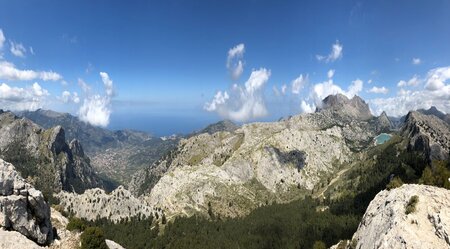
[[93, 238]]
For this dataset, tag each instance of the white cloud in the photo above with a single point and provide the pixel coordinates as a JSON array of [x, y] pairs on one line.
[[330, 73], [307, 108], [416, 61], [437, 78], [354, 88], [436, 92], [322, 90], [19, 99], [2, 39], [299, 83], [31, 50], [284, 89], [17, 49], [107, 82], [382, 90], [234, 61], [414, 81], [9, 72], [369, 81], [67, 97], [96, 109], [335, 54], [242, 103]]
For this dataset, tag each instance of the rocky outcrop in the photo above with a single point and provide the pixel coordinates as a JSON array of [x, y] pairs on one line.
[[95, 204], [22, 207], [44, 156], [387, 224], [16, 240], [427, 134]]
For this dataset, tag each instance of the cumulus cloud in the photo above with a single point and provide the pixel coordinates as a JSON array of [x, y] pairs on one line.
[[307, 108], [234, 61], [243, 102], [416, 61], [322, 90], [96, 109], [436, 79], [382, 90], [19, 99], [299, 83], [17, 49], [335, 54], [436, 92], [414, 81], [8, 71]]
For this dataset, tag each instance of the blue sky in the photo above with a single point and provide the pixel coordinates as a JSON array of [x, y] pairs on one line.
[[166, 61]]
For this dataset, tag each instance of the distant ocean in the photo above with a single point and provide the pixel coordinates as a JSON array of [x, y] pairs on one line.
[[160, 125]]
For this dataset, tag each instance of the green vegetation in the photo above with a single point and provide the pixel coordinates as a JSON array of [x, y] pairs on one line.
[[437, 175], [129, 233], [394, 183], [292, 225], [411, 206], [319, 245], [93, 238], [76, 224]]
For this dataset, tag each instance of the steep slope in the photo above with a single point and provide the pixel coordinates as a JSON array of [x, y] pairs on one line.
[[44, 157], [115, 154], [427, 134], [391, 222], [261, 162]]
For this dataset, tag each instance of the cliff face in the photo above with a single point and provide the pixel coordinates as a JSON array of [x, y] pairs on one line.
[[428, 134], [44, 156], [390, 222], [22, 207]]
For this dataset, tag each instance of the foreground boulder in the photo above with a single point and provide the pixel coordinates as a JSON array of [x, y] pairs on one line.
[[22, 207], [394, 220]]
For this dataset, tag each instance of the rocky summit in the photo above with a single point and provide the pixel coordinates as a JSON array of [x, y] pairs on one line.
[[393, 220], [22, 207]]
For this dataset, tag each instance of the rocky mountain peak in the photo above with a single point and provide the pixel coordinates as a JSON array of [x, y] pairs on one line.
[[341, 105]]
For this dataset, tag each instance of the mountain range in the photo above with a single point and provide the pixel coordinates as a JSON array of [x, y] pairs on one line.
[[227, 171]]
